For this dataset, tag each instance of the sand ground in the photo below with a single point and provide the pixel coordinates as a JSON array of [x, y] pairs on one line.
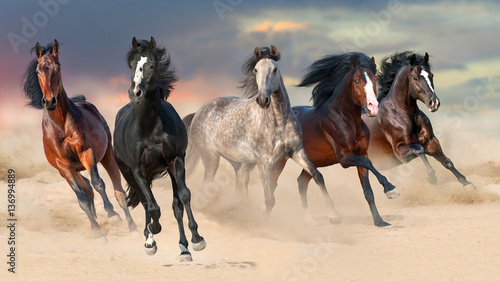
[[440, 232]]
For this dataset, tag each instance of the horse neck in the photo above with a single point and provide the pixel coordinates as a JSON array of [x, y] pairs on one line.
[[280, 103], [64, 107], [401, 94], [148, 111], [343, 104]]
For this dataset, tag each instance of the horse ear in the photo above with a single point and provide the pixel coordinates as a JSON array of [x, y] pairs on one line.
[[152, 43], [38, 50], [355, 62], [426, 58], [413, 60], [134, 43], [274, 50], [373, 64], [256, 52], [55, 48]]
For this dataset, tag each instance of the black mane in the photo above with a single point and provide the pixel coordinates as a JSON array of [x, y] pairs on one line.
[[390, 68], [328, 72], [166, 77], [249, 83], [30, 84]]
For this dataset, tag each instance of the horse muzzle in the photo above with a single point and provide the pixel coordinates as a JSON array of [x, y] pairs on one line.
[[135, 95], [50, 105], [433, 105], [371, 109], [264, 101]]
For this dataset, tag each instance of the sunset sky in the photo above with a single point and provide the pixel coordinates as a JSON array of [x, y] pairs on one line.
[[208, 40]]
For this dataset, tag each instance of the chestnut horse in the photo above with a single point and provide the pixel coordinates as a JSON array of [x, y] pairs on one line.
[[401, 131], [75, 136], [333, 131]]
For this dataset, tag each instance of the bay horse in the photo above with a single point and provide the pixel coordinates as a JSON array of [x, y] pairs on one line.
[[333, 130], [150, 141], [259, 129], [75, 136], [401, 131]]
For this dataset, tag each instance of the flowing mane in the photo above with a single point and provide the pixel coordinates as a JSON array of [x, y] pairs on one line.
[[390, 68], [166, 76], [249, 84], [328, 73]]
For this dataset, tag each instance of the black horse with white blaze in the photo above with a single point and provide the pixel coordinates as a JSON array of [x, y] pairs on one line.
[[150, 141]]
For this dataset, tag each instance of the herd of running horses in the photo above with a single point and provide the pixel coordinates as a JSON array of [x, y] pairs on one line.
[[347, 122]]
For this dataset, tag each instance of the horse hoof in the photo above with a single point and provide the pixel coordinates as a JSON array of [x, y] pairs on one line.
[[199, 246], [383, 224], [470, 186], [151, 250], [186, 257], [132, 227], [114, 219], [432, 179], [392, 194]]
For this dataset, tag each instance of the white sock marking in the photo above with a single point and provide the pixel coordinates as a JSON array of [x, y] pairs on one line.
[[426, 77]]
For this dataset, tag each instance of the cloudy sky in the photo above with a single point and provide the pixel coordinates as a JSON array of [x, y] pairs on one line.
[[209, 39]]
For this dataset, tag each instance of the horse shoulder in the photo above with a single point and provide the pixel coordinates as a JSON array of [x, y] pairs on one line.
[[426, 131]]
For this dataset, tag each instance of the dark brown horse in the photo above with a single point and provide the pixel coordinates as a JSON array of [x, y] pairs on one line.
[[75, 136], [401, 131], [332, 129]]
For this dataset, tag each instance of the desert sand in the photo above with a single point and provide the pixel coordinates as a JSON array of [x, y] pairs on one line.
[[440, 232]]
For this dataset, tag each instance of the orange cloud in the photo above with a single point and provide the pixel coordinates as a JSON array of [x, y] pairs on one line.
[[279, 26], [121, 80]]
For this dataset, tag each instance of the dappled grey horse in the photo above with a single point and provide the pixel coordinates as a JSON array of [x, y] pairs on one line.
[[260, 129]]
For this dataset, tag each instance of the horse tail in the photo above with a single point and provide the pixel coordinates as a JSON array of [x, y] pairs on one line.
[[132, 197], [192, 155]]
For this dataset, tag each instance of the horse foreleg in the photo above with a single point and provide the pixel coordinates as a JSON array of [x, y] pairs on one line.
[[109, 163], [242, 171], [368, 192], [408, 151], [87, 158], [84, 199], [152, 207], [351, 159], [301, 158], [433, 148], [182, 199], [265, 177], [276, 172]]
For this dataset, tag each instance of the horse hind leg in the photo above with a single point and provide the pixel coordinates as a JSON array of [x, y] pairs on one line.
[[85, 201], [301, 158], [109, 163], [419, 150]]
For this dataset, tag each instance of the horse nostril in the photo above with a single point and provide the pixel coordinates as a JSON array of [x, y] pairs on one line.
[[44, 101], [53, 100], [139, 93], [266, 100]]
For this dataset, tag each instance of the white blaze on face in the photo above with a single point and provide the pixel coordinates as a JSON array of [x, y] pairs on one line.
[[370, 95], [139, 72], [426, 77]]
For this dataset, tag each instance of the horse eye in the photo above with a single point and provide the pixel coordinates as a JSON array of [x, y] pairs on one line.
[[255, 70], [152, 66], [274, 70], [415, 78], [356, 81]]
